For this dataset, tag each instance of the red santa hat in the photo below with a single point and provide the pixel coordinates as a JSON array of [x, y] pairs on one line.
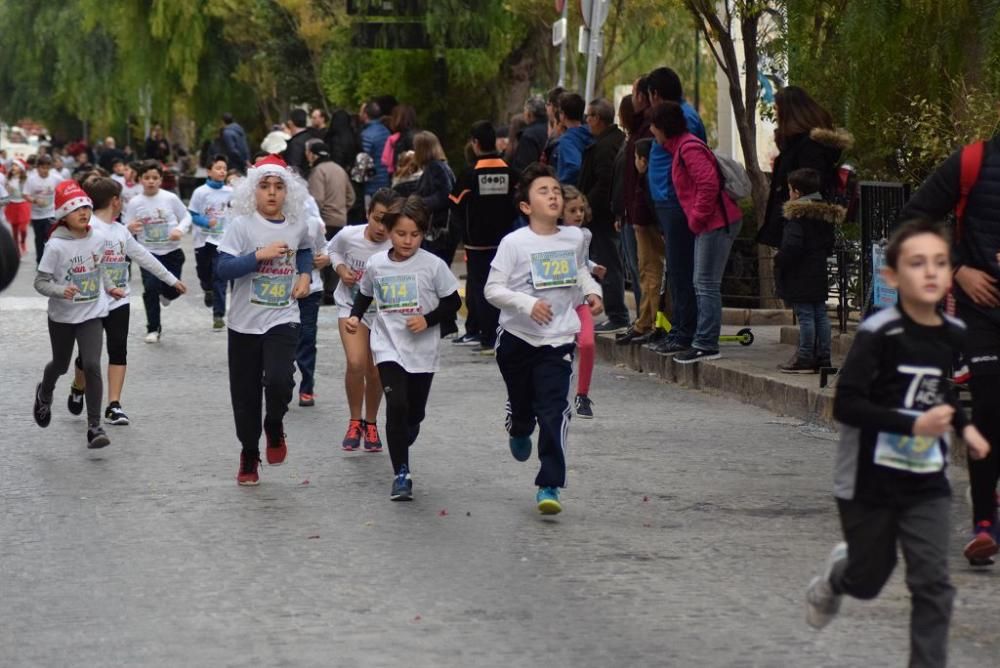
[[70, 197], [271, 165]]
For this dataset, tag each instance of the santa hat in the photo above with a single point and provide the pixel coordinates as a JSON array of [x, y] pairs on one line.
[[271, 165], [70, 197], [22, 164]]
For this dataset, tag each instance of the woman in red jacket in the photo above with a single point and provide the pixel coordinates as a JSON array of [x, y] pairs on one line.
[[712, 216]]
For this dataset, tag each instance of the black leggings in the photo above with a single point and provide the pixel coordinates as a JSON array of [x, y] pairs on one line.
[[405, 405], [261, 364], [984, 474], [88, 338]]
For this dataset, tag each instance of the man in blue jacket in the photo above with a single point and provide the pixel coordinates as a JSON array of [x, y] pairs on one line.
[[374, 134], [235, 141], [568, 155]]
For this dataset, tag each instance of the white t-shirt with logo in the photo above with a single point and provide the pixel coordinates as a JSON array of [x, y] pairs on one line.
[[44, 190], [263, 299], [414, 286], [552, 267], [211, 203], [160, 215], [317, 234], [76, 262], [129, 193], [352, 249], [119, 246]]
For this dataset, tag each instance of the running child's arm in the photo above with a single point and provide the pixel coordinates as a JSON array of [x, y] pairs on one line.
[[198, 219], [45, 284], [502, 297], [446, 309], [304, 267], [232, 267], [853, 404], [361, 305], [148, 261]]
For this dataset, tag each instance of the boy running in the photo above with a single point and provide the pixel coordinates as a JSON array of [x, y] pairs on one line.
[[208, 208]]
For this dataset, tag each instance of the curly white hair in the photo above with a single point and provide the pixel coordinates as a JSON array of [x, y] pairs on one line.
[[244, 200]]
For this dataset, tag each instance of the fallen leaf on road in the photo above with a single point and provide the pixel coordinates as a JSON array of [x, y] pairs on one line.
[[417, 618], [645, 499], [312, 537], [305, 482], [442, 512]]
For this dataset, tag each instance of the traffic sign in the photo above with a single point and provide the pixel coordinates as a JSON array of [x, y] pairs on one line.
[[587, 11], [560, 4], [559, 32]]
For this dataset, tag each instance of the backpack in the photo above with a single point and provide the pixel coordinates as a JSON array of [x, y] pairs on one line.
[[735, 179]]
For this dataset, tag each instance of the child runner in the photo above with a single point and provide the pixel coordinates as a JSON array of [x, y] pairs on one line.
[[897, 407], [535, 283], [305, 355], [70, 276], [160, 219], [267, 253], [39, 190], [417, 299], [576, 213], [119, 246], [349, 252], [132, 186], [18, 210], [208, 208]]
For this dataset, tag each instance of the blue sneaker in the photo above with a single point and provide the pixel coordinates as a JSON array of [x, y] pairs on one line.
[[520, 447], [402, 486], [548, 501]]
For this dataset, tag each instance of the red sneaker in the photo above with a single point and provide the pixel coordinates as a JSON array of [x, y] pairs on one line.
[[372, 442], [247, 473], [983, 545], [352, 439], [276, 450]]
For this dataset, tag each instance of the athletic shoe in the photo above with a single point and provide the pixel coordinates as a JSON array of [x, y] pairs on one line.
[[43, 409], [668, 347], [798, 365], [983, 546], [402, 485], [548, 501], [164, 302], [822, 604], [609, 327], [218, 323], [520, 447], [372, 442], [696, 355], [352, 439], [153, 337], [632, 336], [209, 299], [466, 340], [75, 402], [306, 399], [114, 414], [584, 406], [96, 438], [247, 473], [276, 450], [488, 351]]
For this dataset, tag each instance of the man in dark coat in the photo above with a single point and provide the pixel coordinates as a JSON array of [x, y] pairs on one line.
[[234, 140], [596, 174], [534, 136], [295, 152]]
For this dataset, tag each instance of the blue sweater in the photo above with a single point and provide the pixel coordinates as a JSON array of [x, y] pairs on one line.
[[661, 188], [569, 154]]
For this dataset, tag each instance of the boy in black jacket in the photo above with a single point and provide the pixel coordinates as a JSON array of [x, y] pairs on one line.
[[800, 267], [897, 408]]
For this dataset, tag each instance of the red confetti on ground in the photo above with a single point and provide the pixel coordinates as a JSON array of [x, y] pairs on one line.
[[645, 499], [442, 512], [646, 524], [417, 618], [305, 482], [312, 537]]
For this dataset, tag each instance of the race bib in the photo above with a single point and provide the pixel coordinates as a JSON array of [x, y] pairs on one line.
[[916, 454], [270, 290], [156, 233], [117, 273], [553, 269], [397, 293], [88, 284]]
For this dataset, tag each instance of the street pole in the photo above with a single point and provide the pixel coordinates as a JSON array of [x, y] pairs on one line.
[[596, 20], [562, 47]]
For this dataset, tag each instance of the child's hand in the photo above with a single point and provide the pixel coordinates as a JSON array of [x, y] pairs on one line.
[[117, 293], [321, 261], [180, 288], [301, 289], [135, 227], [596, 304], [212, 222], [351, 324], [978, 446], [416, 324], [541, 312], [271, 251], [347, 275], [935, 422], [70, 291], [176, 234], [600, 271]]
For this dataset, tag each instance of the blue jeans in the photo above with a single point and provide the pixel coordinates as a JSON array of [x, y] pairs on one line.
[[680, 271], [152, 287], [814, 331], [631, 253], [711, 252], [305, 353]]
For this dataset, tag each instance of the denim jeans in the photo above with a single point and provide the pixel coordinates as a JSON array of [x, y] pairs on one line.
[[154, 287], [680, 253], [630, 251], [711, 252], [814, 331], [305, 352]]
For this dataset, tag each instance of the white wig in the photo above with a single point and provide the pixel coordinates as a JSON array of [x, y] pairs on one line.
[[244, 200]]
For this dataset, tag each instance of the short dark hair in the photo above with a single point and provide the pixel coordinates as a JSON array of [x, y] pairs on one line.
[[135, 165], [572, 106], [603, 110], [373, 110], [483, 132], [552, 97], [218, 157], [298, 117], [665, 83], [101, 190], [669, 117], [909, 230], [385, 197], [412, 207], [44, 160], [806, 180], [149, 165], [227, 118], [322, 112], [532, 173]]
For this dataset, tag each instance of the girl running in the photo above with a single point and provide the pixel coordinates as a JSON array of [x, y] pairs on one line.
[[417, 299], [349, 251], [18, 209]]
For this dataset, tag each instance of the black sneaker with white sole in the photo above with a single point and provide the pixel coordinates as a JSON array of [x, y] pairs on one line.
[[609, 327], [43, 409], [584, 406], [96, 438], [696, 355], [114, 414], [75, 401]]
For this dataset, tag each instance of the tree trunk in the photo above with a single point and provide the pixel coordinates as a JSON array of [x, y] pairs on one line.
[[518, 71]]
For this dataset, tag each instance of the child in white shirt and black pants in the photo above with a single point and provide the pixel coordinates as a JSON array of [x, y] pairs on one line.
[[267, 252], [537, 279], [417, 299]]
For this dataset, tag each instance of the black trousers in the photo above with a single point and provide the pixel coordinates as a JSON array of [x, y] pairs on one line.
[[41, 227], [261, 365], [88, 337], [154, 287], [405, 406], [487, 316], [921, 531], [605, 249]]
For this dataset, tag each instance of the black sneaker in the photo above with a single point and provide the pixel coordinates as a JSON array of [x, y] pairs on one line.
[[584, 406], [96, 438], [402, 485], [696, 355], [209, 299], [609, 327], [798, 365], [466, 340], [75, 401], [43, 409], [114, 414], [632, 337], [668, 347]]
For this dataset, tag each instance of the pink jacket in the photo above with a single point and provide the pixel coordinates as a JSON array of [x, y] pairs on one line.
[[388, 151], [697, 183]]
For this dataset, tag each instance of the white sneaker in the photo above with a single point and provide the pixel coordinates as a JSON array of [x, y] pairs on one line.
[[153, 337], [822, 604]]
